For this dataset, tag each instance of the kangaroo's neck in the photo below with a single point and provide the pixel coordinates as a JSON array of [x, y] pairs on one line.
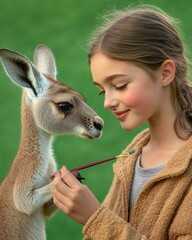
[[33, 139]]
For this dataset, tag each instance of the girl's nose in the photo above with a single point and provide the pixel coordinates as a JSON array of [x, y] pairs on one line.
[[110, 101]]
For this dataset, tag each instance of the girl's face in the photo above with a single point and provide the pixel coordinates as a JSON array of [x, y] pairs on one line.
[[130, 92]]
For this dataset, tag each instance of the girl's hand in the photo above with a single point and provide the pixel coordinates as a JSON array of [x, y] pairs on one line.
[[72, 197]]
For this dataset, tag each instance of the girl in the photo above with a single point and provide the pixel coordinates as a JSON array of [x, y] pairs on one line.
[[137, 61]]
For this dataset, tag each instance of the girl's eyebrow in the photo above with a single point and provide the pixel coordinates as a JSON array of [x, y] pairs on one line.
[[110, 78]]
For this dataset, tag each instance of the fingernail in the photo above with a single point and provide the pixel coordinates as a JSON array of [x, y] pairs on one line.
[[56, 180]]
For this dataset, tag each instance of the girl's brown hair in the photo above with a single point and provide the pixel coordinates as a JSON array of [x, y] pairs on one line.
[[147, 37]]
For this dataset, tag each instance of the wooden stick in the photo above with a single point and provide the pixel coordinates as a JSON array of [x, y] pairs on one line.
[[102, 161]]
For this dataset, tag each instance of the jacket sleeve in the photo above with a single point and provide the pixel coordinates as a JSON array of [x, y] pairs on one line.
[[181, 228], [110, 220], [104, 224], [184, 237]]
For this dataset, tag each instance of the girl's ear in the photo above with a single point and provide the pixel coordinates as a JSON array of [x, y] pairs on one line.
[[168, 72]]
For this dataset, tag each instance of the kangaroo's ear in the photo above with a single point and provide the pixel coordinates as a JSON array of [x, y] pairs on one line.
[[45, 61], [22, 72]]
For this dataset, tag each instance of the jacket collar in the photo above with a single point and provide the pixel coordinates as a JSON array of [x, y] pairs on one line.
[[179, 162], [177, 165]]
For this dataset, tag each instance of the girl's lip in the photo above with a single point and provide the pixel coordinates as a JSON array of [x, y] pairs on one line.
[[121, 115]]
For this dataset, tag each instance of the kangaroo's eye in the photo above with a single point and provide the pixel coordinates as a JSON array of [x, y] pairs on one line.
[[64, 106]]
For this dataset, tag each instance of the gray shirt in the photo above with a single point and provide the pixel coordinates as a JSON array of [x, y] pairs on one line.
[[141, 177]]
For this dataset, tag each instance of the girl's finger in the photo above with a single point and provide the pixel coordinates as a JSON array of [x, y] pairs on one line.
[[61, 187], [58, 201], [57, 174], [69, 178], [63, 203], [58, 196]]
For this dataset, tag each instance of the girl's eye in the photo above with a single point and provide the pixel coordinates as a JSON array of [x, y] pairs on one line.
[[121, 87], [101, 93]]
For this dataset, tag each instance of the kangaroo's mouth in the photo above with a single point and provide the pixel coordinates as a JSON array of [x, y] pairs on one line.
[[92, 130], [91, 135], [86, 136]]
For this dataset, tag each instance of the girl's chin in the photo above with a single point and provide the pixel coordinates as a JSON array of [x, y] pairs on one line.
[[129, 127]]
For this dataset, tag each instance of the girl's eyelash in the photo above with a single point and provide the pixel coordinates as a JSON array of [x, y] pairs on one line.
[[121, 87], [101, 93]]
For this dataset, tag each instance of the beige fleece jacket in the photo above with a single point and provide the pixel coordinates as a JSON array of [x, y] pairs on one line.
[[163, 210]]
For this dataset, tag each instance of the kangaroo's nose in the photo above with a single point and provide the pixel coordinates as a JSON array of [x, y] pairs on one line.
[[97, 126], [98, 123]]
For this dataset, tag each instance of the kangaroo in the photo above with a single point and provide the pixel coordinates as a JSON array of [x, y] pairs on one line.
[[48, 108]]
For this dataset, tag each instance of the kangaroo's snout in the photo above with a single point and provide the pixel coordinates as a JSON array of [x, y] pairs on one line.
[[98, 123]]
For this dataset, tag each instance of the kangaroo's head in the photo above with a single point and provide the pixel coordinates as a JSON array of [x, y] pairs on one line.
[[56, 108]]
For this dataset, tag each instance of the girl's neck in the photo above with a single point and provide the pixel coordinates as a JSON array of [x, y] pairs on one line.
[[163, 135], [164, 141], [161, 147]]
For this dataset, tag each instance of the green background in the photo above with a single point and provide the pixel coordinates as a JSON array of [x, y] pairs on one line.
[[64, 26]]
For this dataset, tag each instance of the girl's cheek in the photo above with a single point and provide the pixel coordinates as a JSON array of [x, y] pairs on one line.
[[133, 99], [141, 96]]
